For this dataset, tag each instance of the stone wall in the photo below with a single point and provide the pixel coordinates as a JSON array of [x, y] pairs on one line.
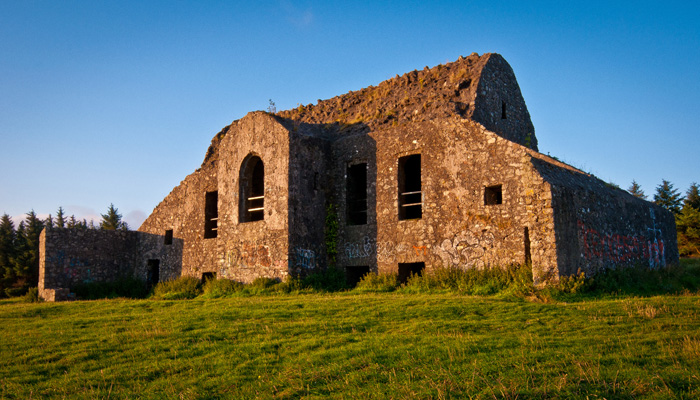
[[600, 226], [499, 104], [69, 257], [459, 160], [309, 182], [182, 211]]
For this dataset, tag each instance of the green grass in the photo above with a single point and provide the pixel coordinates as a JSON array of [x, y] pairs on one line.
[[431, 338], [348, 345]]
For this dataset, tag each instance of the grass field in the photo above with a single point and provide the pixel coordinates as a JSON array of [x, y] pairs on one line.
[[418, 341], [346, 345]]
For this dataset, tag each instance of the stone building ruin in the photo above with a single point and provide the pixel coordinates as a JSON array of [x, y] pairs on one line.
[[434, 168]]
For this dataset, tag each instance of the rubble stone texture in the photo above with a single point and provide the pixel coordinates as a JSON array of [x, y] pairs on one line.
[[452, 146]]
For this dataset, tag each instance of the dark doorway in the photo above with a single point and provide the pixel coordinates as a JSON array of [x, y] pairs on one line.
[[152, 273], [408, 269], [354, 274], [410, 194], [208, 276], [356, 194]]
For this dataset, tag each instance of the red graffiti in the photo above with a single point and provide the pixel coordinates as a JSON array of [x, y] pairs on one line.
[[619, 248]]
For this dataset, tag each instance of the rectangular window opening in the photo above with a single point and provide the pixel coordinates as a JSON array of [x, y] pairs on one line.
[[493, 195], [356, 194], [168, 240], [354, 274], [406, 270], [410, 194], [503, 110], [528, 256], [211, 214]]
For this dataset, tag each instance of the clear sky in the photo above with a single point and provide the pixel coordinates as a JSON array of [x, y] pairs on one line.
[[116, 101]]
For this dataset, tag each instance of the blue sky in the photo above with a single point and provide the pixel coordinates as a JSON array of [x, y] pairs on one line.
[[116, 102]]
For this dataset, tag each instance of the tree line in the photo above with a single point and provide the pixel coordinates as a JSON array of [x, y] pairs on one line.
[[685, 209], [19, 248]]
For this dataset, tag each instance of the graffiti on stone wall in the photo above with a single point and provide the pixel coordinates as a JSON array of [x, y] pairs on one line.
[[365, 248], [620, 248], [368, 247], [248, 254], [71, 268], [465, 249], [304, 258], [385, 251]]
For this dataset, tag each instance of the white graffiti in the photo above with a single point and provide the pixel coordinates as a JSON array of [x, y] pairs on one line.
[[305, 258], [465, 249], [385, 251], [364, 249], [657, 253]]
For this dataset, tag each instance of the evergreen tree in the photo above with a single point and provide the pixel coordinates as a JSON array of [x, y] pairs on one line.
[[48, 222], [668, 197], [688, 230], [7, 251], [26, 261], [60, 218], [636, 190], [72, 222], [692, 197], [113, 220]]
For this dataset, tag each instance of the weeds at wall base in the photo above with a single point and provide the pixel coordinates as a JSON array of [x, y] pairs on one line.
[[512, 282]]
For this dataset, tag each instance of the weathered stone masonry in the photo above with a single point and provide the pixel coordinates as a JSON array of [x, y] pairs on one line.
[[435, 168]]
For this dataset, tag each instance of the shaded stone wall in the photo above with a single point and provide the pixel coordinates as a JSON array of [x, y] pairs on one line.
[[499, 104], [69, 257], [308, 195], [599, 226]]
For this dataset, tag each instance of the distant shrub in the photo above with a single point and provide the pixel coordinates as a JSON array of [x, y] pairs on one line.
[[32, 296], [185, 287], [215, 288], [374, 282], [125, 287]]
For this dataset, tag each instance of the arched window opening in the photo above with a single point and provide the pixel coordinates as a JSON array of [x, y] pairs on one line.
[[252, 190]]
